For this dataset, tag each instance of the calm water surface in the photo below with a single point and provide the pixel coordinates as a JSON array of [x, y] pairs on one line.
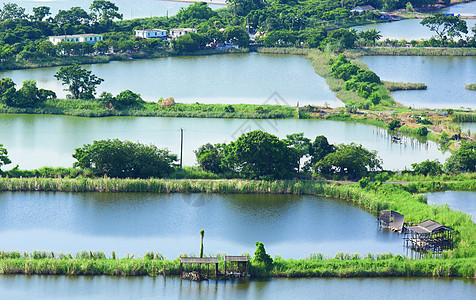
[[102, 287], [35, 141], [238, 78], [456, 200], [291, 226], [129, 9], [409, 29], [445, 77], [463, 9]]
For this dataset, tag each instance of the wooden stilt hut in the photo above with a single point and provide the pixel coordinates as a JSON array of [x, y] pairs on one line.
[[391, 219], [199, 261], [241, 263], [429, 236]]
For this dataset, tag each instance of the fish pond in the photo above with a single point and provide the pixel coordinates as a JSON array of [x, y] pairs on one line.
[[133, 223], [34, 141]]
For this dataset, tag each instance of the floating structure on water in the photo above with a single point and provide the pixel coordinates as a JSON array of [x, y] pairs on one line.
[[240, 271], [422, 237], [429, 236], [391, 219]]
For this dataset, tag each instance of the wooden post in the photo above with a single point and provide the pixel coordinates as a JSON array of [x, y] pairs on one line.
[[216, 271], [164, 273], [181, 273]]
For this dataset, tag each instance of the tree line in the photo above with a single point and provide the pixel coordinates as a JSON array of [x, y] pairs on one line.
[[254, 155]]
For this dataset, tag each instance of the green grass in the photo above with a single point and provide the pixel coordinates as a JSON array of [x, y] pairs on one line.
[[412, 51], [94, 108], [471, 87], [404, 86], [343, 265]]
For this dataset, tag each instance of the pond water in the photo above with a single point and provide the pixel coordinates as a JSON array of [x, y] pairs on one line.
[[129, 9], [471, 126], [290, 226], [463, 9], [102, 287], [35, 141], [409, 29], [456, 200], [446, 78], [234, 78]]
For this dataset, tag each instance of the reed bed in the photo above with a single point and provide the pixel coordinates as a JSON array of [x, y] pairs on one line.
[[342, 265], [404, 86], [464, 117], [372, 198], [95, 108], [413, 51]]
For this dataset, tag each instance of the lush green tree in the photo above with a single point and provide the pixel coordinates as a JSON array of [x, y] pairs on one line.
[[101, 46], [462, 159], [344, 38], [27, 96], [188, 43], [392, 125], [428, 167], [12, 11], [39, 13], [244, 7], [128, 98], [196, 11], [261, 259], [300, 143], [4, 160], [81, 83], [105, 11], [349, 161], [124, 159], [319, 149], [258, 154], [210, 158], [237, 34], [367, 76], [73, 17], [445, 25], [5, 85]]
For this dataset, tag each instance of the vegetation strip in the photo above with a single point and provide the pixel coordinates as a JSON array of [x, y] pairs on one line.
[[375, 196], [344, 265]]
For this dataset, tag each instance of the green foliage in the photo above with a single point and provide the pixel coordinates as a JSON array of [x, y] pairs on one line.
[[4, 160], [124, 159], [127, 98], [27, 96], [445, 25], [81, 83], [349, 161], [428, 167], [421, 131], [471, 86], [262, 260], [319, 149], [258, 154], [462, 159], [210, 158], [394, 124]]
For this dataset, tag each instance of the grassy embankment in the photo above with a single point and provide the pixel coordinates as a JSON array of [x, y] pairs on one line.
[[410, 51], [95, 108], [100, 59], [380, 115], [459, 262]]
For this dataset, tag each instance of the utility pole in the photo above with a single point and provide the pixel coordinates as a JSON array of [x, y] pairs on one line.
[[181, 147]]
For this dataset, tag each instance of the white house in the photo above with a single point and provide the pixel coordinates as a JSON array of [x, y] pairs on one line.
[[151, 33], [363, 8], [175, 33], [77, 38]]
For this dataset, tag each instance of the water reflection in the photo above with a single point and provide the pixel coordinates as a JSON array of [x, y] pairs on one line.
[[102, 287], [291, 226]]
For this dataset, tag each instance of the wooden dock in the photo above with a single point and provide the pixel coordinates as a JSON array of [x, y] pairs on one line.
[[391, 219], [241, 263]]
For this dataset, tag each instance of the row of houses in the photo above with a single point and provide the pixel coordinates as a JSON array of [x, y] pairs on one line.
[[144, 33]]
